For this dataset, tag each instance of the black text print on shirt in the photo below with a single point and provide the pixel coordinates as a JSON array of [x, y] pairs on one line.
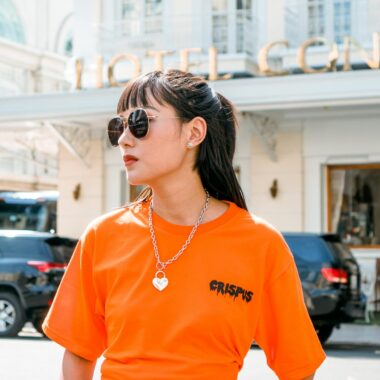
[[230, 289]]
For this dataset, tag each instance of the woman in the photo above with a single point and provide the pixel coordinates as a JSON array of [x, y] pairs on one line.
[[179, 283]]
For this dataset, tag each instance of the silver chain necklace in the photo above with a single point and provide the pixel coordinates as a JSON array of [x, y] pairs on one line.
[[160, 281]]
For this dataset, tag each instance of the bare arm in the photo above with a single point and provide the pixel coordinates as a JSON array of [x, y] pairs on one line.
[[75, 367], [311, 377]]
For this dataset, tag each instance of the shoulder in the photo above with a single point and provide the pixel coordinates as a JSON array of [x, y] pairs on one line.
[[267, 241], [258, 227], [111, 230], [279, 258], [264, 227], [269, 232], [122, 216]]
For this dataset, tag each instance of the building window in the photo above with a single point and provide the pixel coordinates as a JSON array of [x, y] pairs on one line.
[[223, 19], [142, 17], [220, 25], [153, 8], [316, 18], [132, 17], [68, 47], [354, 203], [342, 19], [244, 4], [219, 5], [243, 26], [220, 32], [153, 16], [292, 19], [10, 23]]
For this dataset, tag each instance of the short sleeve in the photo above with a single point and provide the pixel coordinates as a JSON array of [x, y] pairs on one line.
[[72, 320], [285, 331]]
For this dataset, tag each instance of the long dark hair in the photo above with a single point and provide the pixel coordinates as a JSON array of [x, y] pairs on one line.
[[191, 96]]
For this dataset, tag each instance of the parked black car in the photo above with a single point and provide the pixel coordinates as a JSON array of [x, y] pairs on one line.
[[330, 278], [31, 267]]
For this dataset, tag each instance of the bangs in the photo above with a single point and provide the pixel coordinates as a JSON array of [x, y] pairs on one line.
[[140, 92]]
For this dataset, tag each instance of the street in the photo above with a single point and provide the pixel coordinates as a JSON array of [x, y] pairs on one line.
[[35, 358]]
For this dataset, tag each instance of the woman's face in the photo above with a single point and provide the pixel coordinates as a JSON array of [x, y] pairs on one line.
[[161, 153]]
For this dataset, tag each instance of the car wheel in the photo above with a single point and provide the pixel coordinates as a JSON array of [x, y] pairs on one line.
[[12, 315], [324, 332]]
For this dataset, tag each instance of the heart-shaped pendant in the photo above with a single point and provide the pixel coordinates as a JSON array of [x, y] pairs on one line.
[[160, 283]]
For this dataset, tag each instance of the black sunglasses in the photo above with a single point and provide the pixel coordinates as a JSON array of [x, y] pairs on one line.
[[137, 122]]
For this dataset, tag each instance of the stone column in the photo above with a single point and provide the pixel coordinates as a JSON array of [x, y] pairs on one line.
[[75, 179]]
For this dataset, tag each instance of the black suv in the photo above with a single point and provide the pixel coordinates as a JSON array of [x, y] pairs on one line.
[[330, 278], [31, 267]]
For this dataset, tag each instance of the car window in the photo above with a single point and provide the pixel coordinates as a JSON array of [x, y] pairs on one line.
[[23, 247], [342, 251], [61, 248], [309, 249], [23, 216]]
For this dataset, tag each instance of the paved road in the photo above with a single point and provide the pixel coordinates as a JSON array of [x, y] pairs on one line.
[[34, 358]]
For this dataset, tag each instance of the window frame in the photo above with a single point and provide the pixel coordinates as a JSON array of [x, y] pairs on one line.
[[340, 18], [318, 20], [13, 28], [142, 20], [235, 18], [330, 169]]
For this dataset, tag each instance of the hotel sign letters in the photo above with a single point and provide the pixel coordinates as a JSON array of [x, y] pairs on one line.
[[264, 67]]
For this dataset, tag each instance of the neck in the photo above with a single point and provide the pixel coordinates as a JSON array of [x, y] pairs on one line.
[[179, 203]]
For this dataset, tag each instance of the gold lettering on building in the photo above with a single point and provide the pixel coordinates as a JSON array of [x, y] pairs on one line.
[[159, 57], [184, 57], [99, 71], [333, 55], [264, 66], [78, 74], [373, 63], [263, 59], [213, 65], [127, 57]]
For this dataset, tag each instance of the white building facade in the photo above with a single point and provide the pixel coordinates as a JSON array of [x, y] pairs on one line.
[[34, 38], [308, 154]]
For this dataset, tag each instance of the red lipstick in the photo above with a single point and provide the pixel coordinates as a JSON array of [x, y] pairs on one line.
[[129, 159]]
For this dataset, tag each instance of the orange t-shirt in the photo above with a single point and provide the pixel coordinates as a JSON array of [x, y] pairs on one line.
[[235, 282]]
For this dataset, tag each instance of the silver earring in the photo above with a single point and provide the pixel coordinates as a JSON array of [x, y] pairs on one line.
[[189, 145]]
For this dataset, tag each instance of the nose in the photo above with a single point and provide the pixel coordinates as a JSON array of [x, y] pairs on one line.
[[126, 138]]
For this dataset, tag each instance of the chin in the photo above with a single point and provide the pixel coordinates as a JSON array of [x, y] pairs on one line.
[[147, 176], [135, 179]]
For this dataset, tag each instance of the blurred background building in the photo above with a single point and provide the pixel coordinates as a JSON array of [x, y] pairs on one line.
[[303, 74]]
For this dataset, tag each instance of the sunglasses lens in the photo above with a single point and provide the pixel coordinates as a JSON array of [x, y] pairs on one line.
[[115, 130], [138, 123]]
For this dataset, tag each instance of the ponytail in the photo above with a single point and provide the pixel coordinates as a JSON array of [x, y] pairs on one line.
[[214, 161]]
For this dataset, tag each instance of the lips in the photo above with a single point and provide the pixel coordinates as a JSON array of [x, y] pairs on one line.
[[129, 159]]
